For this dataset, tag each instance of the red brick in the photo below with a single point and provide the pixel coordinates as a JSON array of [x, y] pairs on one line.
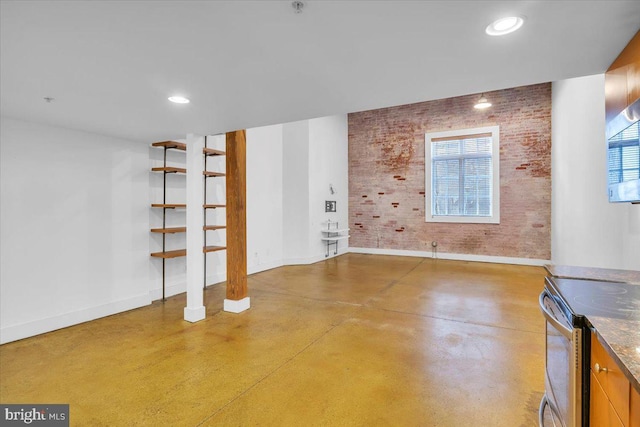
[[386, 155]]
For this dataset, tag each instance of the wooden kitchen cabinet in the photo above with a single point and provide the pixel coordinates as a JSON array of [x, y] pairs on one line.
[[611, 392], [633, 79], [622, 79], [601, 411], [634, 410]]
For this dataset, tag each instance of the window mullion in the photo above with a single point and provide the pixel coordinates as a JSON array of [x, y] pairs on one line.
[[461, 201]]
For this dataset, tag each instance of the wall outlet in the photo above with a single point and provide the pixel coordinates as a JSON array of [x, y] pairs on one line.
[[330, 206]]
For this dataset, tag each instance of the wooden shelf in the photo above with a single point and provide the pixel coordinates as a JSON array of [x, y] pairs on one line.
[[214, 227], [213, 248], [183, 252], [209, 206], [169, 230], [183, 147], [171, 144], [210, 174], [170, 254], [169, 205], [213, 152], [169, 169]]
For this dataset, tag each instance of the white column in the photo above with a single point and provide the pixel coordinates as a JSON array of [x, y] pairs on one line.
[[195, 311]]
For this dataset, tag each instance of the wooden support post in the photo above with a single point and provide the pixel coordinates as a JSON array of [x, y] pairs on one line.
[[237, 299]]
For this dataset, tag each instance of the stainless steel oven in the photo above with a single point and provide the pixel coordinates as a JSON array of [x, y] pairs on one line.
[[567, 305], [564, 393]]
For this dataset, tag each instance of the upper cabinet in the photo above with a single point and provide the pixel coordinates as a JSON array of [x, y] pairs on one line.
[[622, 103], [622, 82]]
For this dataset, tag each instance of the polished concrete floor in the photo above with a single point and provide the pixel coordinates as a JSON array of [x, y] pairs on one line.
[[357, 340]]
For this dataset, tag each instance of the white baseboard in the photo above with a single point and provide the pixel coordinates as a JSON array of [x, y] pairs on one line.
[[213, 279], [457, 257], [220, 277], [341, 251], [257, 268], [29, 329], [171, 290], [315, 258], [251, 269], [302, 261], [41, 326]]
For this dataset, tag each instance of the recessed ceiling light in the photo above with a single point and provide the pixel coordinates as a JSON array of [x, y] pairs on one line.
[[179, 99], [504, 26]]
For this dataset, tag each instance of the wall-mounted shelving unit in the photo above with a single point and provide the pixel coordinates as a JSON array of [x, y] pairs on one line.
[[235, 218], [210, 153], [164, 230], [332, 234]]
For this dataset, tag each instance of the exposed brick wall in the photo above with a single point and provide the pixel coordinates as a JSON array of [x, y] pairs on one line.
[[387, 185]]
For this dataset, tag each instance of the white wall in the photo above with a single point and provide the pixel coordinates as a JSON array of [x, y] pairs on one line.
[[74, 226], [295, 178], [328, 165], [264, 198], [75, 215], [289, 169], [587, 230], [315, 156]]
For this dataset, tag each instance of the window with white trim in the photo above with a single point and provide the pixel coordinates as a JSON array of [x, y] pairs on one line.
[[462, 176], [624, 155]]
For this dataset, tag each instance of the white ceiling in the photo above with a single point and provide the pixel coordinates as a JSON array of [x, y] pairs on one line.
[[110, 65]]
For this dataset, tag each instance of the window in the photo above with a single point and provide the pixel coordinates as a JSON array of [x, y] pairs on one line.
[[462, 176], [624, 155]]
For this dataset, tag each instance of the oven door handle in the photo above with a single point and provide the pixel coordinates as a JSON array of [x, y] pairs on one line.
[[567, 332]]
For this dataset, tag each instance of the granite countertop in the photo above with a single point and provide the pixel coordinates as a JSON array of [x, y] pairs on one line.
[[603, 274], [619, 337]]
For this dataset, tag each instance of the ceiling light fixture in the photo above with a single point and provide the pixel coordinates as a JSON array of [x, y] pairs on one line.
[[179, 99], [482, 103], [504, 26], [297, 6]]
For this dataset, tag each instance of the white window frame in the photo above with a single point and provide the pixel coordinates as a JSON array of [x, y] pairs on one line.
[[495, 181]]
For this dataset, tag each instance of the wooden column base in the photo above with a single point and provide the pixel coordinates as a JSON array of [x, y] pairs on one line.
[[237, 306]]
